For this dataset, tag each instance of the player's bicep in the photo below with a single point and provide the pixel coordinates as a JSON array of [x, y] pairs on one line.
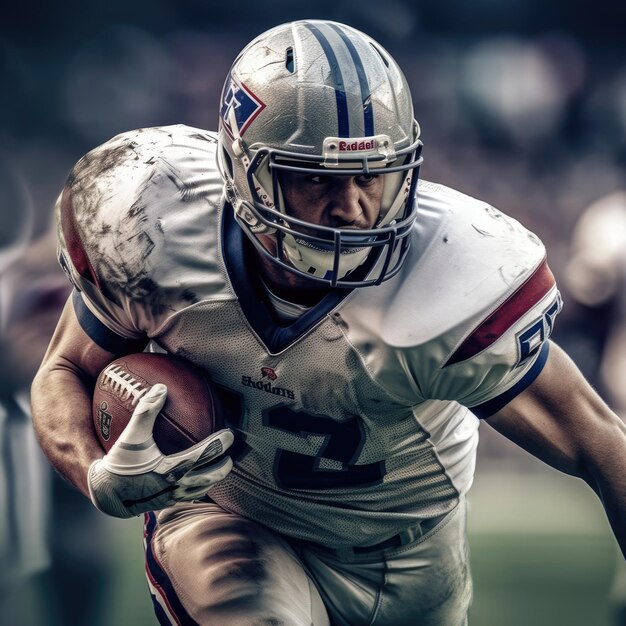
[[78, 348], [559, 418], [72, 349]]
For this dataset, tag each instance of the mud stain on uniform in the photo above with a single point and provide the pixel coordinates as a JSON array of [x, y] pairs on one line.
[[202, 137], [120, 248], [101, 160], [116, 190], [87, 180], [137, 210], [189, 296], [188, 190]]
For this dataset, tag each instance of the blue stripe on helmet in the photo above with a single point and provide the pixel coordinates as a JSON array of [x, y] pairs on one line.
[[368, 113], [340, 90]]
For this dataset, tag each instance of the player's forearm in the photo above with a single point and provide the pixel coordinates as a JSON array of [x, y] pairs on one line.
[[605, 471], [61, 408]]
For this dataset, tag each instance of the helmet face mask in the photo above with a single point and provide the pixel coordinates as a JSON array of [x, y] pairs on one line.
[[287, 106]]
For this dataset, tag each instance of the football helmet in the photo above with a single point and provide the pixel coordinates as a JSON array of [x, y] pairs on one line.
[[320, 97]]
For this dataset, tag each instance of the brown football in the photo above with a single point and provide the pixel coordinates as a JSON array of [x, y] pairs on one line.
[[191, 411]]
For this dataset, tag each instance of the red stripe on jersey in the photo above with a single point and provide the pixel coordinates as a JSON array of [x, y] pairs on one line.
[[514, 307], [73, 242]]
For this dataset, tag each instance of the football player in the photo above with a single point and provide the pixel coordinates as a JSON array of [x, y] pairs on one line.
[[596, 277], [358, 324]]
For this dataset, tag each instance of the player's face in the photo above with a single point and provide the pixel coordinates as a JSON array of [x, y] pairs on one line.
[[336, 201]]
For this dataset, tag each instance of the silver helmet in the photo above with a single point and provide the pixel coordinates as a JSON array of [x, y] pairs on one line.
[[313, 96]]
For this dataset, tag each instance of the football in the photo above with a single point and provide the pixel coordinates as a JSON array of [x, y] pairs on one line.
[[191, 410]]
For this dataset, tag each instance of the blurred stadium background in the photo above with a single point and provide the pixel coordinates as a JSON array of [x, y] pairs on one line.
[[522, 103]]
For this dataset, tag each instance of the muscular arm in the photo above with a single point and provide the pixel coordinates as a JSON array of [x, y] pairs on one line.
[[134, 476], [561, 420], [61, 399]]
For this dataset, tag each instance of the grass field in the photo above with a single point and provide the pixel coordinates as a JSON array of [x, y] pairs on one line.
[[542, 555], [542, 552]]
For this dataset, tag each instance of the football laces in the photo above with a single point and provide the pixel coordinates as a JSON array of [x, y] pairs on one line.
[[123, 384]]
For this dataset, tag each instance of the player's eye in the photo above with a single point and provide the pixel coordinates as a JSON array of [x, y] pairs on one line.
[[366, 179]]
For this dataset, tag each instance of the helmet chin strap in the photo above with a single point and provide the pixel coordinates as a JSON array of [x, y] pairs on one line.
[[320, 263], [286, 284]]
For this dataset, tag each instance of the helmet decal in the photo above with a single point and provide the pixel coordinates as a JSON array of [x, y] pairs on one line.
[[239, 107]]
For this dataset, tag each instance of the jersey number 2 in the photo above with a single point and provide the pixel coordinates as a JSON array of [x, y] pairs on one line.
[[335, 464]]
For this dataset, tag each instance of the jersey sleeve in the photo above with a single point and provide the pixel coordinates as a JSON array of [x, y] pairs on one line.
[[98, 240], [99, 329], [137, 230], [502, 351]]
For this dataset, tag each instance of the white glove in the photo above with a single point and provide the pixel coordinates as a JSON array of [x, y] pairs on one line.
[[135, 476]]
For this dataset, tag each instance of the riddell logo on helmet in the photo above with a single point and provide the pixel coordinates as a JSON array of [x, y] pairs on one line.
[[356, 146]]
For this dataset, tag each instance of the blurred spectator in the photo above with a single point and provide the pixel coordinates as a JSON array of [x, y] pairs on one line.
[[596, 278], [24, 477], [47, 551]]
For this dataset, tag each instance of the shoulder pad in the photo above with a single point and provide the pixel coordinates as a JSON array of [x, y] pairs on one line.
[[466, 259], [129, 210]]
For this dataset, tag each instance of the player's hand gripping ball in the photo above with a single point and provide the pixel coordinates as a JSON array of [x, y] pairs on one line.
[[159, 421]]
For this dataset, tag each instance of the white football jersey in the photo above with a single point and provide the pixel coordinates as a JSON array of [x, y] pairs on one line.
[[359, 417]]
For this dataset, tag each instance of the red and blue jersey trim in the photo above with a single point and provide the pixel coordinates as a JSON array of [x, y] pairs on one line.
[[73, 242], [167, 606], [489, 408], [538, 285], [100, 334]]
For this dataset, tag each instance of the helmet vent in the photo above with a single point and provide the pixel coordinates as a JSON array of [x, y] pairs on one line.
[[381, 55], [289, 61]]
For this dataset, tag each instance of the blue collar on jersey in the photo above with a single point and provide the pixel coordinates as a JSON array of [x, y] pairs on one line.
[[240, 264]]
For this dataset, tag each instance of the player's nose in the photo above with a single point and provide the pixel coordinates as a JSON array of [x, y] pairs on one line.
[[346, 204]]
